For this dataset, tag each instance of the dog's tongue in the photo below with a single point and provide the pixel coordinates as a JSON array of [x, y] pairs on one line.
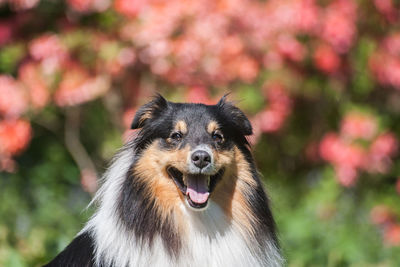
[[197, 188]]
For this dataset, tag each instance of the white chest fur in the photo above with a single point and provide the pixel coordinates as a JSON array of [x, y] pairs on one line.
[[214, 241], [210, 241]]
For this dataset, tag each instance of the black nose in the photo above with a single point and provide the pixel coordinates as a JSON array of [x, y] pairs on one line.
[[201, 158]]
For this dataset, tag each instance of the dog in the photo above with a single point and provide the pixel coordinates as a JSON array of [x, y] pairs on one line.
[[184, 192]]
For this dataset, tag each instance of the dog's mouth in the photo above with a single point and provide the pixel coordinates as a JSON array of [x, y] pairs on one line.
[[196, 187]]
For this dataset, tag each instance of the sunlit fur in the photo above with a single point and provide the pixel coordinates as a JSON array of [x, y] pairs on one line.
[[232, 230]]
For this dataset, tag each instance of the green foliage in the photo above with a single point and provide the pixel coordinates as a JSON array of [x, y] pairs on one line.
[[10, 56], [43, 203], [327, 226], [305, 75]]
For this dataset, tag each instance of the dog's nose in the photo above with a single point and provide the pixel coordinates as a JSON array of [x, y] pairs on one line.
[[201, 158]]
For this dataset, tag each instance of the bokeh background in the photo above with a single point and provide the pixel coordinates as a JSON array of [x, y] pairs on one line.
[[319, 79]]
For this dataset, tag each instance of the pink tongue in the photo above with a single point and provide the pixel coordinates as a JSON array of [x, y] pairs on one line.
[[197, 188]]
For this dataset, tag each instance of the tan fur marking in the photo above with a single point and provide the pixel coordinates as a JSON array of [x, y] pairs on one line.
[[223, 158], [244, 168], [230, 193], [212, 126], [151, 168], [145, 116], [181, 127]]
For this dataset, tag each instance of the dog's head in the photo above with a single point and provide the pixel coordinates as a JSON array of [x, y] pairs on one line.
[[185, 151]]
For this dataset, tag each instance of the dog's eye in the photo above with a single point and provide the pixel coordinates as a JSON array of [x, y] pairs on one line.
[[216, 136], [177, 136]]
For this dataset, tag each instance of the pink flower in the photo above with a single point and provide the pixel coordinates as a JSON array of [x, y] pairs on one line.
[[308, 19], [386, 68], [392, 72], [129, 8], [330, 147], [346, 158], [80, 5], [359, 125], [6, 31], [7, 163], [30, 76], [273, 60], [232, 45], [13, 101], [77, 87], [385, 62], [380, 153], [391, 236], [386, 145], [247, 68], [339, 32], [346, 175], [272, 118], [89, 5], [381, 215], [198, 94], [289, 47], [387, 9], [15, 135], [47, 46], [391, 44], [23, 4], [351, 155], [326, 59], [126, 56], [339, 27], [347, 8], [277, 97]]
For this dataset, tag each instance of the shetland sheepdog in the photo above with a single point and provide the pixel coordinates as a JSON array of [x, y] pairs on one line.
[[184, 192]]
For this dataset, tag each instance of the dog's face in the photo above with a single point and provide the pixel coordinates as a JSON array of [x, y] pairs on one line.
[[186, 150]]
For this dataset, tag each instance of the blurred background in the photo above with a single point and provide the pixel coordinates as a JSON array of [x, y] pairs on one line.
[[319, 79]]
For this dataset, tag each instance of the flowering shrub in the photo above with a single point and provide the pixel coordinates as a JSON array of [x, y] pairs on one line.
[[348, 157], [319, 80]]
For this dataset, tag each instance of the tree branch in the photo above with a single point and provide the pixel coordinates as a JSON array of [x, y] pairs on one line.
[[78, 151]]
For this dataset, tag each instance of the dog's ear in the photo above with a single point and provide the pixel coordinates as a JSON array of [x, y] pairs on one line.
[[149, 111], [235, 115]]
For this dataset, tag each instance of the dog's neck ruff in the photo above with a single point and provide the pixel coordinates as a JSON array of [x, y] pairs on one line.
[[210, 239]]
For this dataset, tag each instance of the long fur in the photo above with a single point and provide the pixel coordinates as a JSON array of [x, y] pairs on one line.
[[133, 227], [216, 240]]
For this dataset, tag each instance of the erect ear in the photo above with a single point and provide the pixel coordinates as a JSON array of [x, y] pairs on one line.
[[235, 115], [149, 111]]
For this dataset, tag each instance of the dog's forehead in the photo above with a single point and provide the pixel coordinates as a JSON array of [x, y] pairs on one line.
[[195, 115]]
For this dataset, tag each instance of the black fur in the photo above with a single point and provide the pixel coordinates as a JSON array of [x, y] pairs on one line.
[[149, 112], [233, 117], [163, 114], [79, 253], [138, 212], [259, 203], [156, 120]]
